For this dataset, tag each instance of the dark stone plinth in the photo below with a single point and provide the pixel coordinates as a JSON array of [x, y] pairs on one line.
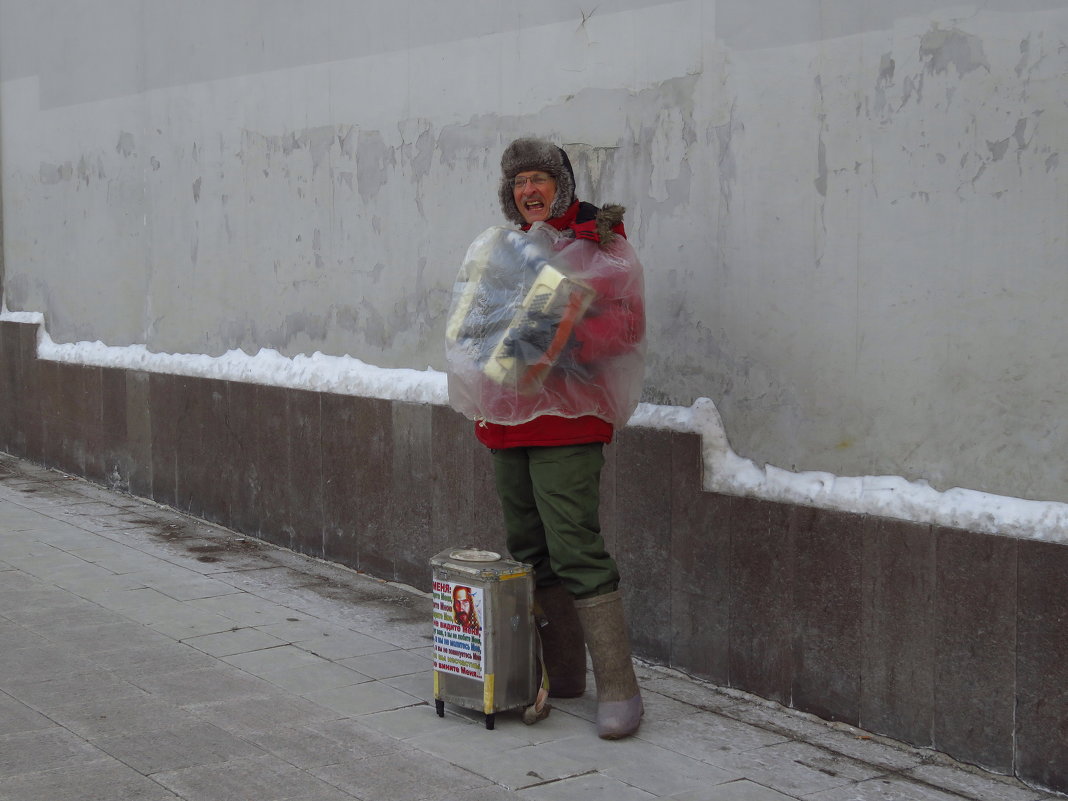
[[700, 568], [139, 440], [641, 535], [203, 449], [762, 579], [827, 591], [897, 675], [358, 482], [975, 647], [165, 397], [1042, 665], [408, 529], [302, 494], [464, 506]]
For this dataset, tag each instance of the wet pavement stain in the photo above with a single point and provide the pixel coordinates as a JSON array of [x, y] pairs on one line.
[[206, 548]]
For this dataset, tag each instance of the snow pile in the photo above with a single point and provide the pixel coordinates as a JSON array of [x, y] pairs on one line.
[[21, 317], [724, 470], [887, 496], [339, 374]]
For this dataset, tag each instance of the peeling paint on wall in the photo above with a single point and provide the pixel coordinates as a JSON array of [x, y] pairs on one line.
[[125, 145], [944, 48], [374, 158]]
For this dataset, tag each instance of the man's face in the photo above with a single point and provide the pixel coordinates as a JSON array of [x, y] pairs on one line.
[[534, 192], [462, 607]]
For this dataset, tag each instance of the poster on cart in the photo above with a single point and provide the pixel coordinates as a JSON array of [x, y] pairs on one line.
[[458, 629]]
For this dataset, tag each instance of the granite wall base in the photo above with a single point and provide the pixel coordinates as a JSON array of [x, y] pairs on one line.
[[939, 637]]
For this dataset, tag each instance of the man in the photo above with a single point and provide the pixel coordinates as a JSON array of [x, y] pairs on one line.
[[547, 469], [464, 612]]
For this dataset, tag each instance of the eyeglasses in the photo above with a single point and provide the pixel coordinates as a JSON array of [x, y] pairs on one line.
[[538, 181]]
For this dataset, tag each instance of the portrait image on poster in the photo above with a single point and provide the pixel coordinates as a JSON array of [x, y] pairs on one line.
[[458, 610]]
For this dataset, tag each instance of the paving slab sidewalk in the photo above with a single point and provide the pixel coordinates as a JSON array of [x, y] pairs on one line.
[[149, 656]]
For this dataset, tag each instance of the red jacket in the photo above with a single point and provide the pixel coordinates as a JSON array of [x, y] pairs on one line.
[[548, 430]]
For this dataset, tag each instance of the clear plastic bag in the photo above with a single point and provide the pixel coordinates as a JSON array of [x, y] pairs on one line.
[[544, 324]]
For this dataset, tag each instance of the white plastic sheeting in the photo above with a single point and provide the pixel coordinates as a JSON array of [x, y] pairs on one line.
[[545, 324]]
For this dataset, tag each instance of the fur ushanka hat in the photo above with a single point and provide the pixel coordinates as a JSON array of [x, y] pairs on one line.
[[524, 155]]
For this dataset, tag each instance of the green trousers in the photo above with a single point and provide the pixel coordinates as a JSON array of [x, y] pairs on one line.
[[550, 497]]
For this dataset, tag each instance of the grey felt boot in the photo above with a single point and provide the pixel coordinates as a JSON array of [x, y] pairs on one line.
[[619, 701], [563, 647]]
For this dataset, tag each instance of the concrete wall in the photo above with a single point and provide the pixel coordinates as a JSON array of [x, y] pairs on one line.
[[851, 213], [936, 636]]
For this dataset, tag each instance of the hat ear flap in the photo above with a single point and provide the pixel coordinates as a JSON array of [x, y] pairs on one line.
[[508, 206], [565, 185], [565, 194]]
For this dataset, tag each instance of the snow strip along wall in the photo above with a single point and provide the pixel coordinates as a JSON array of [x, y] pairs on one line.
[[939, 636]]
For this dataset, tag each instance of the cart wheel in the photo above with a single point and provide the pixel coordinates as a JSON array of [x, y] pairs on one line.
[[489, 721], [439, 707]]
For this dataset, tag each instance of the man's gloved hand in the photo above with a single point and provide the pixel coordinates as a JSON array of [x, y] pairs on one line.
[[569, 360], [529, 340]]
